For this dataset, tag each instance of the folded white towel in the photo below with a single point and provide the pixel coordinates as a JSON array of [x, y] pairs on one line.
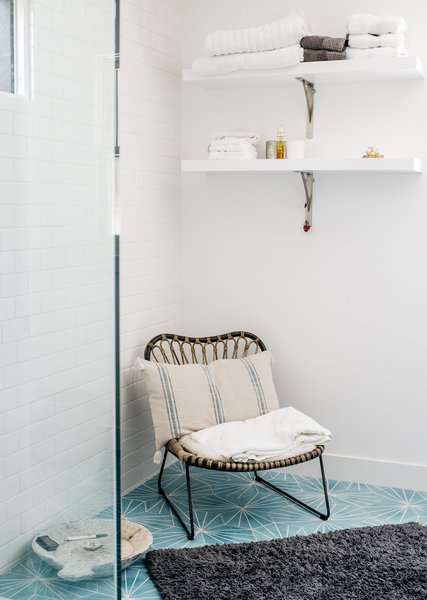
[[227, 141], [230, 149], [283, 433], [233, 155], [270, 59], [366, 23], [233, 147], [236, 146], [386, 40], [280, 34], [353, 53], [230, 137]]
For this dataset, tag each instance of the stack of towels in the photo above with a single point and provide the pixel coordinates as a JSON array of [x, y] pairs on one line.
[[266, 47], [320, 47], [376, 37], [233, 144]]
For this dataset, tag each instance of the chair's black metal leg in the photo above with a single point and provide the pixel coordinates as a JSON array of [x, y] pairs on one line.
[[162, 468], [323, 516], [190, 502], [188, 531], [325, 489]]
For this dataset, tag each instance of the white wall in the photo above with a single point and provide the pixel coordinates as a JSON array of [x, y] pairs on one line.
[[56, 262], [343, 307], [56, 282], [150, 185]]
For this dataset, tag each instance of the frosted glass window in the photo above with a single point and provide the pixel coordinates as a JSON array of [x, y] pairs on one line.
[[7, 54]]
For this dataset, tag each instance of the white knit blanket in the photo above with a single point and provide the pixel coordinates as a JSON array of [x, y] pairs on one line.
[[280, 434], [270, 59], [365, 23], [280, 34]]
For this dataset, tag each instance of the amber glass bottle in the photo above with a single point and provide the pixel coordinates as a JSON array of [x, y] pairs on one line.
[[280, 148]]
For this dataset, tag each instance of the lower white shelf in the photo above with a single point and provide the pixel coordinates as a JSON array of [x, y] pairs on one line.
[[314, 165]]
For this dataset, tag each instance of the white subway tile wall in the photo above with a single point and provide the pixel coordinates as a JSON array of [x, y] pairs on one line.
[[56, 277], [150, 199]]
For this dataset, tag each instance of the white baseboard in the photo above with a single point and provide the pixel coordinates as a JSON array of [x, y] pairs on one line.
[[368, 470]]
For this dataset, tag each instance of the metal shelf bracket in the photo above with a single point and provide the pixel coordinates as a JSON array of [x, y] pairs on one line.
[[308, 181], [309, 91]]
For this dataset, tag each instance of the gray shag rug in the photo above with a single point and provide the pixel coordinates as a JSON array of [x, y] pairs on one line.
[[388, 562]]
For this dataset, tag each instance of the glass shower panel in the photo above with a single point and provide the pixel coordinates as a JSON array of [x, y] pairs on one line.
[[57, 284], [7, 46]]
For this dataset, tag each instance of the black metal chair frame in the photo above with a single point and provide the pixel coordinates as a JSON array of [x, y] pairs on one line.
[[181, 358]]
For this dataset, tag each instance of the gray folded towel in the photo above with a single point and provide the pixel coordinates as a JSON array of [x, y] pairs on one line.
[[322, 42], [319, 55]]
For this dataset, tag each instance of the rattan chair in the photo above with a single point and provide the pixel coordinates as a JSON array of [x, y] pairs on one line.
[[177, 349]]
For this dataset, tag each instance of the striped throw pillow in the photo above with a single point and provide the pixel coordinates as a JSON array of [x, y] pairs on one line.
[[187, 398]]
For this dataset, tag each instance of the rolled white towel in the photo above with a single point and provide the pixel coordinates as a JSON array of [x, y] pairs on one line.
[[367, 40], [270, 59], [361, 23], [353, 53], [280, 34], [230, 137]]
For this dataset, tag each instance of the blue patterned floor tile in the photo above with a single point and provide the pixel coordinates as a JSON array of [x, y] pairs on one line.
[[229, 508], [34, 580]]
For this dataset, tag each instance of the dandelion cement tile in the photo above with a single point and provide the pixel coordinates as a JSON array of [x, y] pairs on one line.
[[229, 508]]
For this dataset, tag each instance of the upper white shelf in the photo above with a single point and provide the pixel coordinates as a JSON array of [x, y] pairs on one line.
[[315, 165], [337, 71]]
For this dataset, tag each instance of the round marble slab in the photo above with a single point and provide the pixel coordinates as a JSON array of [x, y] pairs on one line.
[[89, 559]]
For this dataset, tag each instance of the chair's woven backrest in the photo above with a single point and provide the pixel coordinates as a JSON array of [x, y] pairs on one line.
[[181, 350]]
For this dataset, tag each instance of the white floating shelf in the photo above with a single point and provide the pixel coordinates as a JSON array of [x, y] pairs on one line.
[[314, 165], [337, 71]]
